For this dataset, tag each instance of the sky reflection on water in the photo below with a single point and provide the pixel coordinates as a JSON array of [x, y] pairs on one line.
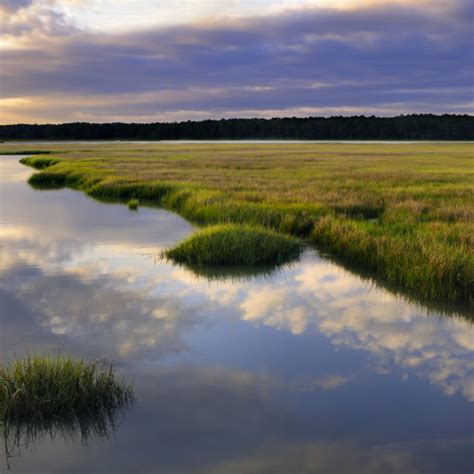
[[309, 367]]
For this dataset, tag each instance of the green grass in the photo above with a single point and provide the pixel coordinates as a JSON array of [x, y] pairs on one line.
[[133, 204], [38, 162], [404, 212], [230, 244], [408, 257], [47, 388]]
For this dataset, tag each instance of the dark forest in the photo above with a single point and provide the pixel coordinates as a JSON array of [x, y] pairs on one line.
[[405, 127]]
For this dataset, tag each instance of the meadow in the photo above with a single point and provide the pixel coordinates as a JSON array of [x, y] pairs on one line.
[[403, 213]]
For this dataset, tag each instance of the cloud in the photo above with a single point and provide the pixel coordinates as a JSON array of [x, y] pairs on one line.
[[14, 5], [386, 59], [327, 382], [344, 457], [32, 21]]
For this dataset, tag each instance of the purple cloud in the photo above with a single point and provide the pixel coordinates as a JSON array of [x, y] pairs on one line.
[[388, 58]]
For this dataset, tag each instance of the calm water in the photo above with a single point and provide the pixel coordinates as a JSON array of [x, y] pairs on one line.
[[309, 369]]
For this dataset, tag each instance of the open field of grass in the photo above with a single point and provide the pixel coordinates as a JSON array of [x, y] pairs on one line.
[[404, 212]]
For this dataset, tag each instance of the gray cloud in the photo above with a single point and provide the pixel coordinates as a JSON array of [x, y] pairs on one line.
[[14, 5], [389, 58]]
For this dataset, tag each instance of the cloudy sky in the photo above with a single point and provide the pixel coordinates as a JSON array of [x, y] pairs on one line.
[[166, 60]]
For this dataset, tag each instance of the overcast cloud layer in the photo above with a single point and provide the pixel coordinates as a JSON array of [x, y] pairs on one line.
[[233, 60]]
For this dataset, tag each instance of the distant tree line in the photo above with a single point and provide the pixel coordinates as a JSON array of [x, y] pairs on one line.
[[404, 127]]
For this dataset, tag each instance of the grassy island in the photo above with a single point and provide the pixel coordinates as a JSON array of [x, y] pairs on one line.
[[43, 388], [230, 244], [403, 212]]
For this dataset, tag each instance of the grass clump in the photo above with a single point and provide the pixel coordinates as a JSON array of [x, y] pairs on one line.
[[48, 180], [133, 204], [41, 388], [38, 162], [230, 244]]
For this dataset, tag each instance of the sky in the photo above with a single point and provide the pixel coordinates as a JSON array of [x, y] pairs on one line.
[[157, 60]]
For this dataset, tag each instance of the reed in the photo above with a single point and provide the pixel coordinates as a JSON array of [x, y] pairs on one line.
[[230, 244], [133, 204], [44, 388]]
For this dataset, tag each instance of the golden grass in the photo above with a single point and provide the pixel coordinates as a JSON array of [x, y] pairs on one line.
[[403, 211]]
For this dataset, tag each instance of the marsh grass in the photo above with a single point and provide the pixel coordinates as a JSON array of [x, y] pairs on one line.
[[403, 212], [230, 244], [45, 388], [39, 162], [47, 180], [42, 396], [133, 204], [407, 258], [455, 308]]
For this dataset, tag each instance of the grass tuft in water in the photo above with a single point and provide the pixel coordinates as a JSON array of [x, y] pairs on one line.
[[45, 388], [133, 204], [230, 244], [47, 180]]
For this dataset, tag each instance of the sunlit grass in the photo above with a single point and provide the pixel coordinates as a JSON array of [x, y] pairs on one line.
[[230, 244], [133, 204], [416, 257], [38, 162], [404, 212], [62, 388]]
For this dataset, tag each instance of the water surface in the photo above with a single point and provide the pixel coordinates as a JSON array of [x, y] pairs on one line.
[[308, 369]]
